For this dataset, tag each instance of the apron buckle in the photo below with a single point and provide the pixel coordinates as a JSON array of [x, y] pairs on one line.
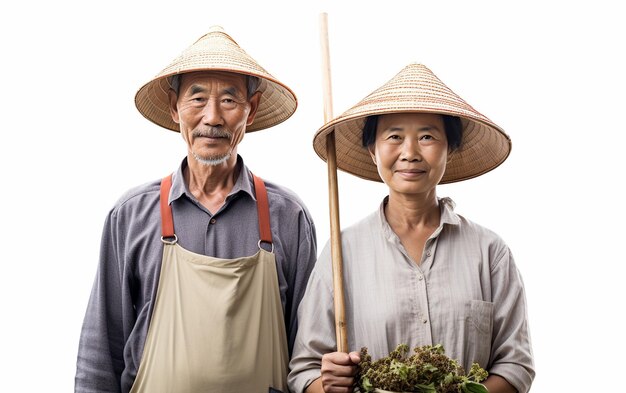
[[170, 239], [261, 248]]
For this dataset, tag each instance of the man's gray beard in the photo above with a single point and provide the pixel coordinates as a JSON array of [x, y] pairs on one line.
[[211, 161]]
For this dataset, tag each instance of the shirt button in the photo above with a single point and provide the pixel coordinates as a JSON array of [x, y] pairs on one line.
[[213, 221], [424, 320], [428, 253], [420, 278]]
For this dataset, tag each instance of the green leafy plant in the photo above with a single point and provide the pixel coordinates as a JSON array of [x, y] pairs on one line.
[[427, 370]]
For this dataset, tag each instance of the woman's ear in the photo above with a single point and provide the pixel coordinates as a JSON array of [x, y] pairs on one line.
[[450, 153], [372, 150]]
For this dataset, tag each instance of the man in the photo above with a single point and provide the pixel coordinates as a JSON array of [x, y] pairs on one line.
[[201, 274]]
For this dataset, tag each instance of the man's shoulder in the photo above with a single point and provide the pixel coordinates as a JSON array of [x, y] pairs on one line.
[[279, 195], [141, 196]]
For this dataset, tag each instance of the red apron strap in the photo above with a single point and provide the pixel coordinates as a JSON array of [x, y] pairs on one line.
[[167, 221], [263, 209]]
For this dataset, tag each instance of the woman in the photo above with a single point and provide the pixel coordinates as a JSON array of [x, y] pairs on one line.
[[415, 272]]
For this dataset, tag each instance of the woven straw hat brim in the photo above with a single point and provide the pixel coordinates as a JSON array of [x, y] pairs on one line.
[[217, 51], [416, 90]]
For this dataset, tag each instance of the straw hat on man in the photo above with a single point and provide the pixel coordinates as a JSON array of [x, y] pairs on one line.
[[201, 272]]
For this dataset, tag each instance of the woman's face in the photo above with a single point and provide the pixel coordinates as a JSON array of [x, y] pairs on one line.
[[410, 151]]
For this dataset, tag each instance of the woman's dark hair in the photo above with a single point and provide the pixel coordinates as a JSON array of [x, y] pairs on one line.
[[451, 124]]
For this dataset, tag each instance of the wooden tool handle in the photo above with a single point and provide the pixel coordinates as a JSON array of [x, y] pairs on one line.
[[333, 195]]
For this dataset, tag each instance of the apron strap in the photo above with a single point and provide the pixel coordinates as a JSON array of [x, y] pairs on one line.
[[263, 208], [167, 221]]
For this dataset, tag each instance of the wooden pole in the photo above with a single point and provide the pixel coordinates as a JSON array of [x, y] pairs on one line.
[[333, 195]]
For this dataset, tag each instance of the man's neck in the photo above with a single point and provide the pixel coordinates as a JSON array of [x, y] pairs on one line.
[[211, 184]]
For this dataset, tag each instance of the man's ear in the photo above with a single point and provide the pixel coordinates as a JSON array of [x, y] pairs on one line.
[[254, 106], [173, 99]]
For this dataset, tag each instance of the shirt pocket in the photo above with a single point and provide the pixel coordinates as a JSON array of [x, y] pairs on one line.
[[479, 326]]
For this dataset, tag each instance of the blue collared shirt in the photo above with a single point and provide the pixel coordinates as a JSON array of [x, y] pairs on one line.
[[120, 306]]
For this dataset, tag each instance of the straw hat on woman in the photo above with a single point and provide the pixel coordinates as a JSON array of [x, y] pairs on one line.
[[415, 272]]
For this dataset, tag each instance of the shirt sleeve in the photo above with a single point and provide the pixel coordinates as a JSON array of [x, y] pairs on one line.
[[100, 354], [305, 257], [511, 356], [316, 335]]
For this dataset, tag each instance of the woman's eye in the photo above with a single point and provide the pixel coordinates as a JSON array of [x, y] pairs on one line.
[[426, 137]]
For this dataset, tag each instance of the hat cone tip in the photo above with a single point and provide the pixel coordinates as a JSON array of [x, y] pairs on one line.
[[216, 29]]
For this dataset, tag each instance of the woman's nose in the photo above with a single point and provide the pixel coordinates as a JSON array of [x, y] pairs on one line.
[[410, 150]]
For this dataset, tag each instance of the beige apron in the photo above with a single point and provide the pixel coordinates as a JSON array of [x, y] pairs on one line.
[[217, 324]]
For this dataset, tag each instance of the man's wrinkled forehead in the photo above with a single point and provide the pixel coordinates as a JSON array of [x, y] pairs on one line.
[[231, 83]]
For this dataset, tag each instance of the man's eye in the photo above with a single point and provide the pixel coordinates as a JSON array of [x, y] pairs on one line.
[[229, 103]]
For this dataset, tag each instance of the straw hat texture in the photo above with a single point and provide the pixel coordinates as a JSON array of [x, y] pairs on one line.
[[217, 51], [416, 89]]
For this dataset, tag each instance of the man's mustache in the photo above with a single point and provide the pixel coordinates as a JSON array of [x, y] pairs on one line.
[[212, 133]]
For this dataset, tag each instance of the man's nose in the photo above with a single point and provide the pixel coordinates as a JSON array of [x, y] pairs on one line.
[[212, 114]]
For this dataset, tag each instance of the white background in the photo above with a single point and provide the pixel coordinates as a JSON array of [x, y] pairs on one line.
[[550, 74]]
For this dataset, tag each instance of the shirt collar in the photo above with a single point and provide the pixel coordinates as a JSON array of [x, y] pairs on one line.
[[448, 216], [243, 183]]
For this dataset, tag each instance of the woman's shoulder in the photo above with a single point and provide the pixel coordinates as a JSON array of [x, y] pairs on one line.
[[464, 226], [469, 234], [365, 225], [471, 227], [355, 234]]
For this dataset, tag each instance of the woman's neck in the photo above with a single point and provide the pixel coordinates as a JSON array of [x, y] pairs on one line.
[[413, 210]]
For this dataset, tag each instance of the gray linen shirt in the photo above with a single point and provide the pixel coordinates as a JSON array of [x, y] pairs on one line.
[[120, 306], [465, 294]]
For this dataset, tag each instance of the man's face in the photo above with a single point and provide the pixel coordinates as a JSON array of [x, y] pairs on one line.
[[213, 111]]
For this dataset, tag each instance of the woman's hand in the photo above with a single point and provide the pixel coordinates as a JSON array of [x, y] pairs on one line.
[[338, 371]]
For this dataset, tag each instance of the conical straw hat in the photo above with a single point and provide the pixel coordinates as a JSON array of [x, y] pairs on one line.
[[217, 51], [416, 89]]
